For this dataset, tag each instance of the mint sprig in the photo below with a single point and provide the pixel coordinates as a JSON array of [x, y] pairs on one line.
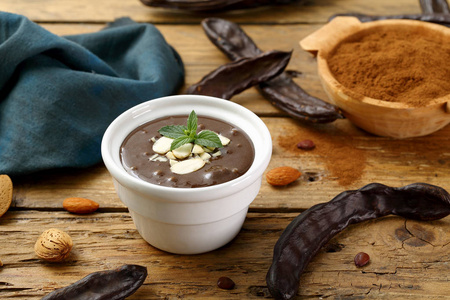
[[188, 134]]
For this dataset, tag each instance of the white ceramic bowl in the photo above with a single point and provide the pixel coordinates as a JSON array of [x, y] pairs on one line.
[[187, 220]]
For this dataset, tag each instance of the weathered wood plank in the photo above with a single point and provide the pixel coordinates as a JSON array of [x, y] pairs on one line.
[[401, 253], [409, 259], [345, 158], [107, 10], [200, 56], [384, 160]]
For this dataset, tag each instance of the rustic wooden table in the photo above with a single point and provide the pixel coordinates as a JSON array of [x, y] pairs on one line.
[[409, 259]]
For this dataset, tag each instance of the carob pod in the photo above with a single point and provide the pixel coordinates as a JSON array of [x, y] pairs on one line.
[[114, 284], [289, 97], [434, 6], [212, 5], [282, 91], [232, 78], [312, 229], [438, 18]]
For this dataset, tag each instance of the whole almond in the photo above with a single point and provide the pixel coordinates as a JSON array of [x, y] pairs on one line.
[[282, 176], [53, 245], [6, 192], [78, 205]]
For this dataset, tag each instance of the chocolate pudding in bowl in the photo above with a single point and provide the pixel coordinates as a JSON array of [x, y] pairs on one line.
[[141, 159], [227, 152]]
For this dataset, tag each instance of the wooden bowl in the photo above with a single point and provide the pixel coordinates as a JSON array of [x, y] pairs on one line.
[[383, 118]]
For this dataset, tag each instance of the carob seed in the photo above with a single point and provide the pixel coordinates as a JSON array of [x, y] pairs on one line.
[[361, 259], [306, 145], [225, 283]]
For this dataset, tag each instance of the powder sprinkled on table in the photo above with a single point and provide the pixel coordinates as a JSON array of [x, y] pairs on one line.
[[342, 159]]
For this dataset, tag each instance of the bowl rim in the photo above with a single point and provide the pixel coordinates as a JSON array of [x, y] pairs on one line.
[[261, 159], [326, 75]]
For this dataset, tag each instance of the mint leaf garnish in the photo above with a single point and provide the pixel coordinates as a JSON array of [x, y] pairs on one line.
[[180, 141], [188, 134], [173, 131], [192, 122], [208, 138]]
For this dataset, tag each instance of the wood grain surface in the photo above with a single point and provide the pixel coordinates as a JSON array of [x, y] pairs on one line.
[[409, 259], [100, 11]]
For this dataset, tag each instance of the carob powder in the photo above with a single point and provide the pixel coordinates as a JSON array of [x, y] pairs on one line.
[[395, 64], [334, 145]]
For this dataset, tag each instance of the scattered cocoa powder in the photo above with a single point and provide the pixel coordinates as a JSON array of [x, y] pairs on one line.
[[346, 151], [342, 159], [394, 64]]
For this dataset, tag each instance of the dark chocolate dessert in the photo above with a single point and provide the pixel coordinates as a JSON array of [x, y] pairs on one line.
[[146, 154]]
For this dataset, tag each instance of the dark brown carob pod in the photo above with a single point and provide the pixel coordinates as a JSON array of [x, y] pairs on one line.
[[114, 284], [281, 91], [312, 229], [212, 5], [232, 78]]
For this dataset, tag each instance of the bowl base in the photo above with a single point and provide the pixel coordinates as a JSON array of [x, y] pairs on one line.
[[189, 239]]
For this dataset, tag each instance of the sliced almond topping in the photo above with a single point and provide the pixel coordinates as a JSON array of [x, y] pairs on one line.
[[186, 158], [170, 155], [224, 140], [153, 157], [217, 153], [162, 145], [197, 149], [205, 156], [157, 157], [161, 158], [187, 166], [183, 151], [207, 150]]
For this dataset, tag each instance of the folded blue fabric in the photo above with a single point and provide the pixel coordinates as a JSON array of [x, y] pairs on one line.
[[59, 94]]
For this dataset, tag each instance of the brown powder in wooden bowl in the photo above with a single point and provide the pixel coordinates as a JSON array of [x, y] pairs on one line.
[[393, 64]]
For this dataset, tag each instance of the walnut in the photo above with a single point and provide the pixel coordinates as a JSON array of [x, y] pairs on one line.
[[53, 245]]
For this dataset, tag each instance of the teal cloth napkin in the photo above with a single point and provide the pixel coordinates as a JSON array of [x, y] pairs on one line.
[[59, 94]]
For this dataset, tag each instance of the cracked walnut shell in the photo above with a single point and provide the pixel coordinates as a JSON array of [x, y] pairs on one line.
[[53, 245]]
